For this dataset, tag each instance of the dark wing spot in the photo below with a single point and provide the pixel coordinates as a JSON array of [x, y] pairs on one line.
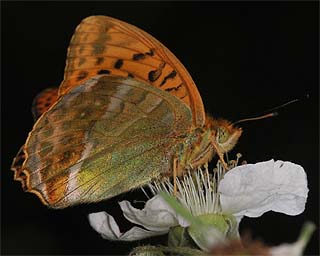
[[154, 75], [170, 76], [82, 75], [138, 56], [130, 75], [66, 154], [81, 49], [150, 53], [173, 88], [81, 61], [103, 71], [182, 97], [118, 64], [98, 48], [99, 60]]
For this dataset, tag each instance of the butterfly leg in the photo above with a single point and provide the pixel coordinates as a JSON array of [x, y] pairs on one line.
[[175, 162], [220, 155]]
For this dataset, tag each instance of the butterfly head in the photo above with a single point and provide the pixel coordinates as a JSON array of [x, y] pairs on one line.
[[224, 134]]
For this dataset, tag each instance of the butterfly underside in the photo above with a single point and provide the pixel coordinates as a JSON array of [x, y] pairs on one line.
[[125, 112], [118, 134]]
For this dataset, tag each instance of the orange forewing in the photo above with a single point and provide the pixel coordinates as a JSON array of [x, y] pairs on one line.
[[104, 45]]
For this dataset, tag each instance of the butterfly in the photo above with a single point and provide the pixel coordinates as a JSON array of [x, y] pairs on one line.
[[126, 113]]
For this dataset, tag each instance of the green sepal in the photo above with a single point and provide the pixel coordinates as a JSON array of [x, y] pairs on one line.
[[205, 231], [216, 229], [218, 221], [206, 236], [203, 234], [178, 236], [233, 227]]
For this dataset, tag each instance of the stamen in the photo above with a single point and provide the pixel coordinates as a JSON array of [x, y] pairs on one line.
[[198, 190], [145, 193]]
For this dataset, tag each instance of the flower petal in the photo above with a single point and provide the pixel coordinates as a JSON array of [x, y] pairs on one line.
[[253, 189], [137, 233], [105, 224], [294, 249], [156, 215]]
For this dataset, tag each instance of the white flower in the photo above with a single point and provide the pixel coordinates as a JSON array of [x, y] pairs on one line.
[[247, 190]]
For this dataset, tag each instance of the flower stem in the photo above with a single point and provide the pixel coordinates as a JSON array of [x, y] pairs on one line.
[[306, 233]]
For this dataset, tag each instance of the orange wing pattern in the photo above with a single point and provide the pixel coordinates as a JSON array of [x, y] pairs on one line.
[[104, 45], [41, 103]]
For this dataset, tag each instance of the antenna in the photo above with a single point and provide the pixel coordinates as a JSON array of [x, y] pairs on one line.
[[306, 96], [256, 118], [272, 114]]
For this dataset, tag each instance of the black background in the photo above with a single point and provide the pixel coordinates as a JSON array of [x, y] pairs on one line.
[[245, 58]]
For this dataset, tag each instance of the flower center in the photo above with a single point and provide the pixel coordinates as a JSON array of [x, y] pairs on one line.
[[198, 190]]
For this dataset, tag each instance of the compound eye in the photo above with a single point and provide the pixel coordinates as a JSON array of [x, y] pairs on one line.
[[222, 135]]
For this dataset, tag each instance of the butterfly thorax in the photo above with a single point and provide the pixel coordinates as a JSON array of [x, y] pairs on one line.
[[195, 150]]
